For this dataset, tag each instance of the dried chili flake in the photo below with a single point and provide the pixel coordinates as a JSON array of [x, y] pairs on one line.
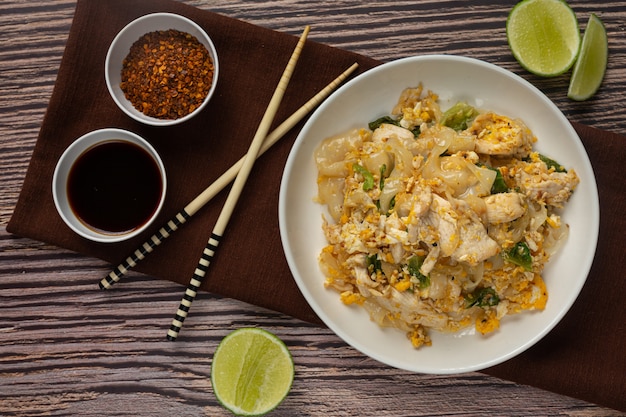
[[167, 74]]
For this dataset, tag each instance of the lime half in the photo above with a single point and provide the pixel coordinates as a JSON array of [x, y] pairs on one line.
[[543, 36], [252, 372], [591, 65]]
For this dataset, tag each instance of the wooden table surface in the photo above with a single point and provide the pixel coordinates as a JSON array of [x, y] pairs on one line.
[[67, 348]]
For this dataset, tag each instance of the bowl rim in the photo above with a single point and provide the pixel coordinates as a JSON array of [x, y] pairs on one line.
[[67, 160], [125, 38], [285, 233]]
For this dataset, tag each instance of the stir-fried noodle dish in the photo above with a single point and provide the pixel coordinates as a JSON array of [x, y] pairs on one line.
[[440, 220]]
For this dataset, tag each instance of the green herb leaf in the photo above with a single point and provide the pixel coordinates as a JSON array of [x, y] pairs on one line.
[[482, 297], [388, 120], [519, 255], [459, 116], [498, 186], [551, 163], [383, 168], [368, 182], [415, 263], [382, 120], [373, 264]]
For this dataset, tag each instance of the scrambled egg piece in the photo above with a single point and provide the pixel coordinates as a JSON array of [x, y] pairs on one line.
[[487, 322], [499, 135]]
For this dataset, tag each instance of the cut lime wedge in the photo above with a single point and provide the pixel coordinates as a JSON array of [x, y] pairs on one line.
[[589, 70], [252, 372], [543, 36]]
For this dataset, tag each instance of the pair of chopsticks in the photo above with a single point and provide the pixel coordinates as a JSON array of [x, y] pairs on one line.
[[239, 172]]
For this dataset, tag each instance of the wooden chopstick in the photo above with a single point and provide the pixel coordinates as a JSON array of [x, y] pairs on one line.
[[212, 190], [235, 192]]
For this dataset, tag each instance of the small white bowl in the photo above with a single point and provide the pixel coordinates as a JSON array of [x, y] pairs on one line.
[[128, 36], [62, 173]]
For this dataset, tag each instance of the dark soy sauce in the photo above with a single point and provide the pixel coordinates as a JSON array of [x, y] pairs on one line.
[[114, 187]]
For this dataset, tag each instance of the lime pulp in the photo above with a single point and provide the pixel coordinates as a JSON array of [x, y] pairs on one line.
[[252, 372], [543, 36], [589, 70]]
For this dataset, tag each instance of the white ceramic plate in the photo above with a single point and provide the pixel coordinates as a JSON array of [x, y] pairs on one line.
[[373, 94]]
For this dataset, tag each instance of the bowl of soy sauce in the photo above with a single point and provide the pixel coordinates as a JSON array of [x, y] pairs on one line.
[[109, 185]]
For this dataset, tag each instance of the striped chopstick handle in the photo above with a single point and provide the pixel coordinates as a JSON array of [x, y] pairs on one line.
[[194, 286], [148, 246]]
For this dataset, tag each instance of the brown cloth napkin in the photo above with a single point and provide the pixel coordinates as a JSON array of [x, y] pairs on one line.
[[582, 357]]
